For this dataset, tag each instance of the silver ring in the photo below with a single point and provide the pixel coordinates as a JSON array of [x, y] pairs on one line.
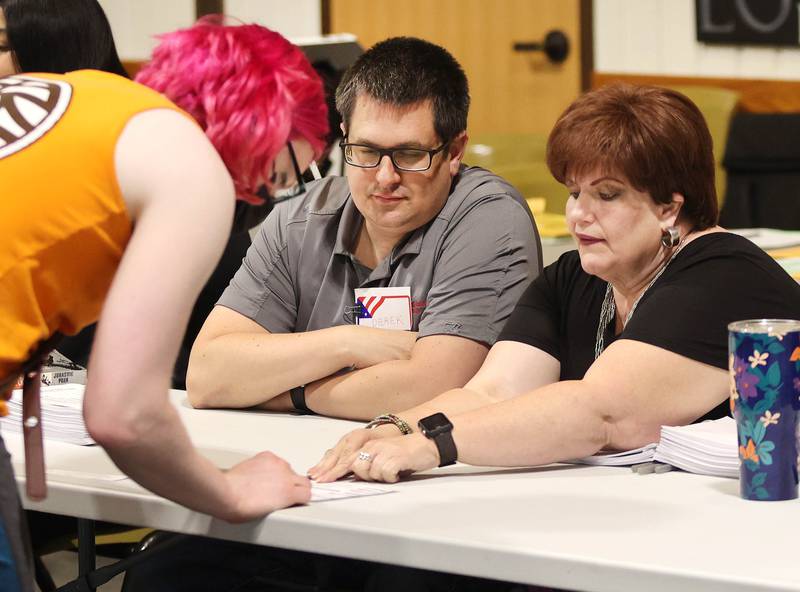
[[364, 456]]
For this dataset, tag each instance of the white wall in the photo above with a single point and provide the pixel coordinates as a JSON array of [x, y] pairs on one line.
[[658, 37], [136, 22], [291, 18]]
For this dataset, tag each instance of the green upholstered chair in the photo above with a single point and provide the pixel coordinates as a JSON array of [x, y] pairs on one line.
[[718, 106], [520, 160]]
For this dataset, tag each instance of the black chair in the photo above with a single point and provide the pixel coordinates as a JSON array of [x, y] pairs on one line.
[[762, 158]]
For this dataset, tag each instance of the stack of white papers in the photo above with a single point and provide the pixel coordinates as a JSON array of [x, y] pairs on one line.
[[707, 448], [62, 414], [770, 238], [620, 459]]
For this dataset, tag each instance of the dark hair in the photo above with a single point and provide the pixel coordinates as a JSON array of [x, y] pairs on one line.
[[656, 137], [60, 36], [330, 78], [405, 71]]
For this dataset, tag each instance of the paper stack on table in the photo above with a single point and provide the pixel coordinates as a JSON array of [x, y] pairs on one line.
[[706, 448], [620, 459], [770, 238], [62, 414], [789, 259], [781, 245]]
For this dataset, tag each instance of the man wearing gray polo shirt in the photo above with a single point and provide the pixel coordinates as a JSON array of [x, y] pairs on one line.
[[452, 247]]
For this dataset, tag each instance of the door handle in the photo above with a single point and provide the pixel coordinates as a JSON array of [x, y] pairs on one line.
[[555, 46]]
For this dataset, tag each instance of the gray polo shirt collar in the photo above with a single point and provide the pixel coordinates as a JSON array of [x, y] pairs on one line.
[[349, 225]]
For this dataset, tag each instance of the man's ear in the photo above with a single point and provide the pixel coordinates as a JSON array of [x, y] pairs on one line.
[[344, 129], [455, 152], [671, 211]]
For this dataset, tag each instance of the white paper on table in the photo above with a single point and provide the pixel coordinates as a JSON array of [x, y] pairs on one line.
[[324, 492], [770, 238], [62, 415], [619, 459]]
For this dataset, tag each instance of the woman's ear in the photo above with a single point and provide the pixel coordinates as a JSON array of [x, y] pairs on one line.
[[671, 211]]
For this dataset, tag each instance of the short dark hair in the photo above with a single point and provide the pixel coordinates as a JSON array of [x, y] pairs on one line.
[[403, 71], [654, 136], [59, 36]]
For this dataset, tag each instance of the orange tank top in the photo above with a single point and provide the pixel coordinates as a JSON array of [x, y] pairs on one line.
[[63, 222]]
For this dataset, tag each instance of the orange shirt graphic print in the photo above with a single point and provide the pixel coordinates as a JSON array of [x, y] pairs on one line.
[[29, 108]]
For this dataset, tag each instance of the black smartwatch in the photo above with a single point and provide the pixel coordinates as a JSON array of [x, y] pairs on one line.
[[439, 429]]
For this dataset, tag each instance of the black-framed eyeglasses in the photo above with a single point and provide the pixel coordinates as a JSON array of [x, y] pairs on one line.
[[403, 159], [300, 186]]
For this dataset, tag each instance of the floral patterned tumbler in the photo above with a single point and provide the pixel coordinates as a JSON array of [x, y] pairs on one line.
[[765, 384]]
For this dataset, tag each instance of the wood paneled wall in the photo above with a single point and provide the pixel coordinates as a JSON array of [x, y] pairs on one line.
[[757, 96], [511, 91]]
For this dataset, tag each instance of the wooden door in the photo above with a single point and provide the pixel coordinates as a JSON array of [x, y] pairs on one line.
[[512, 92]]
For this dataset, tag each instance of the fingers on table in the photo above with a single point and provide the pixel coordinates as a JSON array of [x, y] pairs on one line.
[[375, 466], [327, 461], [339, 465], [301, 490]]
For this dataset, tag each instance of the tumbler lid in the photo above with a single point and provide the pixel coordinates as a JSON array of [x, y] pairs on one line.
[[769, 326]]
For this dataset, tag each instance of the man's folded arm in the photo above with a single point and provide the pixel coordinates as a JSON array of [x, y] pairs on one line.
[[437, 364], [235, 362]]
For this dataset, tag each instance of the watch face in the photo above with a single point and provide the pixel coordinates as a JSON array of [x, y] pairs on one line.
[[435, 424]]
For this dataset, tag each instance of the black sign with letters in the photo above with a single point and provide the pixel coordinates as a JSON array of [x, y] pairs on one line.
[[746, 22]]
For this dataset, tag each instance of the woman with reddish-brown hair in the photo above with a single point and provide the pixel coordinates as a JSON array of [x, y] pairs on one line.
[[617, 338]]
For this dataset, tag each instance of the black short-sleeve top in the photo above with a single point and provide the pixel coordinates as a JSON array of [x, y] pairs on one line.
[[714, 280]]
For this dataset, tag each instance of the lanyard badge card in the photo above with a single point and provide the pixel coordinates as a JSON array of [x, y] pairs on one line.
[[384, 308]]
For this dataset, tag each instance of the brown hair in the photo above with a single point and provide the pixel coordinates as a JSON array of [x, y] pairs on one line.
[[405, 71], [656, 137]]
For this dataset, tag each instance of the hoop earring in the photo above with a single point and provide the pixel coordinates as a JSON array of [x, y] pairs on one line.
[[670, 237]]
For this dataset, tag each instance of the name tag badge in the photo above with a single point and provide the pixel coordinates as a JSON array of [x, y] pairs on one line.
[[384, 308]]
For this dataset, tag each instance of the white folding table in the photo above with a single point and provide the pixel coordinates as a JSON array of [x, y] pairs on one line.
[[587, 528]]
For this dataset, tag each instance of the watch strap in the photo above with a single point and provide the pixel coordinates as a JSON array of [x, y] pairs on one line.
[[298, 395], [447, 448]]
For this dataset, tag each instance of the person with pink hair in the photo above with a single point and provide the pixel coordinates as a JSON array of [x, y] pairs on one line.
[[255, 95], [153, 179], [263, 107]]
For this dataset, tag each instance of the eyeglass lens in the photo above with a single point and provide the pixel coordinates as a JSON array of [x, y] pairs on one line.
[[407, 159]]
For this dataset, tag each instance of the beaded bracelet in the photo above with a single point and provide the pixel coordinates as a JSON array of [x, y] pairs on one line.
[[390, 418]]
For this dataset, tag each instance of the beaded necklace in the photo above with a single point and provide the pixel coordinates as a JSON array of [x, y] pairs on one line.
[[609, 307]]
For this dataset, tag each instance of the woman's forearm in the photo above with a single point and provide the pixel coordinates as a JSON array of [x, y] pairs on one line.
[[554, 423], [452, 403]]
